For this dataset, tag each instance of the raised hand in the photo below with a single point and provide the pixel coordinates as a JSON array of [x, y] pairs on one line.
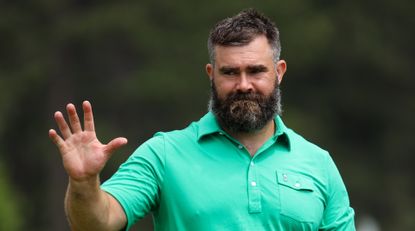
[[83, 155]]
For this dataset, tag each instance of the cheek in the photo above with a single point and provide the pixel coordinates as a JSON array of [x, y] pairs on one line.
[[265, 87], [223, 88]]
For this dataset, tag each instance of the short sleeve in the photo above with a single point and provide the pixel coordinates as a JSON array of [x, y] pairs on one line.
[[136, 184], [338, 214]]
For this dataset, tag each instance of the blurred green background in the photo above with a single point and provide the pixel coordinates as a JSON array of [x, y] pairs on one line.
[[350, 88]]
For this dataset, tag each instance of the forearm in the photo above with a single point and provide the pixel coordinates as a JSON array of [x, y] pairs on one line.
[[88, 207]]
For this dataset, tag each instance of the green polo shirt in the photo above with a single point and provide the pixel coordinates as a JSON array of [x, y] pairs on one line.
[[200, 178]]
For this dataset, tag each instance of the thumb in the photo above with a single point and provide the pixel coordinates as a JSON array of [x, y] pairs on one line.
[[114, 145]]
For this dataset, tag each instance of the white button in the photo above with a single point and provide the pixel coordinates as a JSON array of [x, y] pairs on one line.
[[240, 146], [284, 176], [297, 185], [252, 164], [253, 183], [221, 133]]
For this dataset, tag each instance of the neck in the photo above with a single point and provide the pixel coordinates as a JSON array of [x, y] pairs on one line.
[[254, 140]]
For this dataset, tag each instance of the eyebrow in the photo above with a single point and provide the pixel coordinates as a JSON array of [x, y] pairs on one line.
[[257, 68], [250, 68]]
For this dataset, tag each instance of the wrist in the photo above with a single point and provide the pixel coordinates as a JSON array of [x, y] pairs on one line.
[[85, 188]]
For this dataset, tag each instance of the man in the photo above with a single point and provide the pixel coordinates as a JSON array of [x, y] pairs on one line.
[[237, 168]]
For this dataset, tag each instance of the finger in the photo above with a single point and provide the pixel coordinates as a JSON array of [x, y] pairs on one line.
[[115, 144], [57, 140], [88, 117], [73, 118], [63, 126]]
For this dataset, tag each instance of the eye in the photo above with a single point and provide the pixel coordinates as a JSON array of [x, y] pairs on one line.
[[255, 71], [229, 71]]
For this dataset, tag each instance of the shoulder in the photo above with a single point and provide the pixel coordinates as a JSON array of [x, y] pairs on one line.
[[188, 133], [299, 144], [163, 139]]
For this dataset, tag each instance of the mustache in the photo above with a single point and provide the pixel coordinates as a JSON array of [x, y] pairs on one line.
[[240, 96]]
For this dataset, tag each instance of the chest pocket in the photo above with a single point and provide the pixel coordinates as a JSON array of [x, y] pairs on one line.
[[298, 198]]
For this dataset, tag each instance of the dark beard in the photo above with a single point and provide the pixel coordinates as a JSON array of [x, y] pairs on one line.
[[245, 112]]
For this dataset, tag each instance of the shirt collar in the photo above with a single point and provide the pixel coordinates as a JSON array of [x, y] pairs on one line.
[[208, 125], [282, 134]]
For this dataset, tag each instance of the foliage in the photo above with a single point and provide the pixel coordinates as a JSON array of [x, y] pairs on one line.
[[9, 204]]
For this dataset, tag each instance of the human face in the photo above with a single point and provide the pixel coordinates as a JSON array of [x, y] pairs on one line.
[[247, 69], [250, 78]]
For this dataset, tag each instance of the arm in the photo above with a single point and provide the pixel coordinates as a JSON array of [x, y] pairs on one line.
[[338, 214], [84, 156], [90, 208]]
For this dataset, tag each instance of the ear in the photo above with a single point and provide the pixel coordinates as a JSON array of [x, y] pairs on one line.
[[281, 68], [209, 71]]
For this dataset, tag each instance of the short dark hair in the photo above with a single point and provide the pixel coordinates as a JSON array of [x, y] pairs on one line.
[[241, 29]]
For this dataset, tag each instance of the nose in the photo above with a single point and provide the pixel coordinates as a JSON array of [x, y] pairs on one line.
[[244, 84]]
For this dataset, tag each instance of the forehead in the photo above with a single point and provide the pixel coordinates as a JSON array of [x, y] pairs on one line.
[[258, 51]]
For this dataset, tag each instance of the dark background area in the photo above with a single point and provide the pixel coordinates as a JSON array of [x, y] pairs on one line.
[[349, 88]]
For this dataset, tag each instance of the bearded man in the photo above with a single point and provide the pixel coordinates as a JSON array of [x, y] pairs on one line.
[[237, 168]]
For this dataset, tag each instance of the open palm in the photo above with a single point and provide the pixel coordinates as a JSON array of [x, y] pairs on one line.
[[83, 155]]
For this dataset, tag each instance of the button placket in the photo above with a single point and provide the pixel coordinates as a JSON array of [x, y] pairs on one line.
[[254, 195]]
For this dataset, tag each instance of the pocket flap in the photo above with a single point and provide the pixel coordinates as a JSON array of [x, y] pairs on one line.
[[294, 181]]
